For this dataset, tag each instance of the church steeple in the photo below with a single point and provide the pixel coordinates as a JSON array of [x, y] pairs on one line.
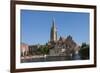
[[53, 34]]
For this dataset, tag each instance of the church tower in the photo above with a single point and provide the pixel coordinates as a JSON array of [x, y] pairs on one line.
[[53, 33]]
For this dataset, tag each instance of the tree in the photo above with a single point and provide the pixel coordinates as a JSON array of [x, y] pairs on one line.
[[84, 51], [44, 50]]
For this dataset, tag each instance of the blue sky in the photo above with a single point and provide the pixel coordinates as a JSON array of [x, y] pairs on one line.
[[36, 25]]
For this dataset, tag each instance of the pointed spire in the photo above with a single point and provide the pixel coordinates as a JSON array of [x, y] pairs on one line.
[[53, 31], [53, 22]]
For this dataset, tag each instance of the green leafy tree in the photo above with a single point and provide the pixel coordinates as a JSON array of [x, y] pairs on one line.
[[44, 50], [84, 51]]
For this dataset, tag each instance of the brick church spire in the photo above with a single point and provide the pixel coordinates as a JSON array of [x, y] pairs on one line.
[[53, 34]]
